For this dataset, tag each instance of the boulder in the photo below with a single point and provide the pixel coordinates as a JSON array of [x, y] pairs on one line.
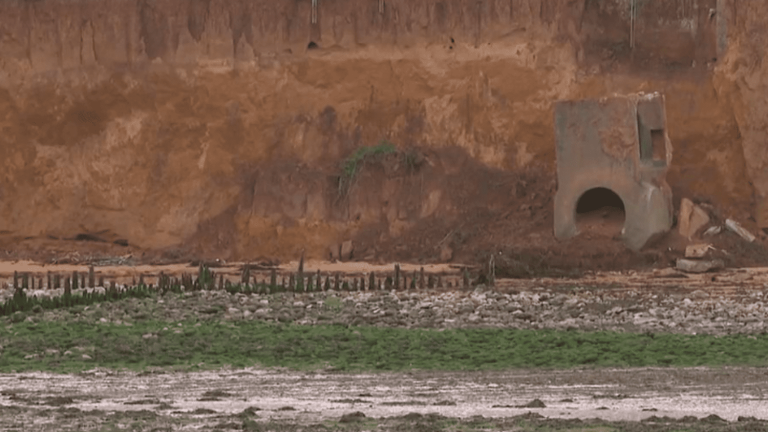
[[691, 219], [695, 266], [697, 250]]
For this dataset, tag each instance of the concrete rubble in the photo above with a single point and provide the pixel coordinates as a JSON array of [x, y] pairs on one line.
[[735, 227], [692, 218]]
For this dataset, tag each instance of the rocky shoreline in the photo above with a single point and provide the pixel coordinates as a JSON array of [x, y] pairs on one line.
[[623, 308]]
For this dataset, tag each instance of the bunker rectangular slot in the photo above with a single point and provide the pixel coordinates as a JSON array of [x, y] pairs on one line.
[[659, 145]]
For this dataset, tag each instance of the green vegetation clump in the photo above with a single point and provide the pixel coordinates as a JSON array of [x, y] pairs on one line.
[[351, 165], [208, 344]]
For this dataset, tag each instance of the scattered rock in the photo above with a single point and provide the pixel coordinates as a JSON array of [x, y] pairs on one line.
[[203, 411], [347, 249], [713, 418], [86, 357], [738, 229], [59, 400], [692, 218], [536, 403], [691, 266], [697, 250], [668, 273], [143, 402], [352, 417], [217, 394], [699, 295]]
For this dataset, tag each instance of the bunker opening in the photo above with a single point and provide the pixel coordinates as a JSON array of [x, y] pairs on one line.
[[600, 211]]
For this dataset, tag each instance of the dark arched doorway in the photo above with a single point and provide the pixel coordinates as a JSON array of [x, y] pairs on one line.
[[600, 211]]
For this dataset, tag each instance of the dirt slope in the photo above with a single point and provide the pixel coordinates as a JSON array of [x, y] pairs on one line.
[[219, 128]]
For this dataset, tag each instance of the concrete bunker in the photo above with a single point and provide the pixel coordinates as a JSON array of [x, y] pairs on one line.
[[612, 159], [601, 211]]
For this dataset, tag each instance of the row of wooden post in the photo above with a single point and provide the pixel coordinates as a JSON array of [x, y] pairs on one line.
[[399, 280]]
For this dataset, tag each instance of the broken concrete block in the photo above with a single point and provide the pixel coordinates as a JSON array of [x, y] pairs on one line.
[[684, 217], [692, 218], [712, 231], [738, 229], [697, 250], [346, 250], [695, 266]]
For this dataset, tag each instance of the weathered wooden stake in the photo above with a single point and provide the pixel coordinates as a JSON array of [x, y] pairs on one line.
[[421, 278], [91, 277], [336, 285], [101, 281], [397, 276], [372, 281], [49, 286], [25, 281], [57, 281], [15, 279], [246, 277], [301, 268], [273, 279]]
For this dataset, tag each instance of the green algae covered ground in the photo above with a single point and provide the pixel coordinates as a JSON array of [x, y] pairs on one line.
[[66, 346]]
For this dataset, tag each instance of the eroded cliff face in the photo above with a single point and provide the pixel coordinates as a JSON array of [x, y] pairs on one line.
[[220, 126]]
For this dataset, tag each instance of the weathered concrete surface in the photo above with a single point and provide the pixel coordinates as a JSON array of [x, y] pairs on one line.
[[621, 144]]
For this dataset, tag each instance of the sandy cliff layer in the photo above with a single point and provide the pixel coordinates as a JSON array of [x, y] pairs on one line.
[[220, 126]]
